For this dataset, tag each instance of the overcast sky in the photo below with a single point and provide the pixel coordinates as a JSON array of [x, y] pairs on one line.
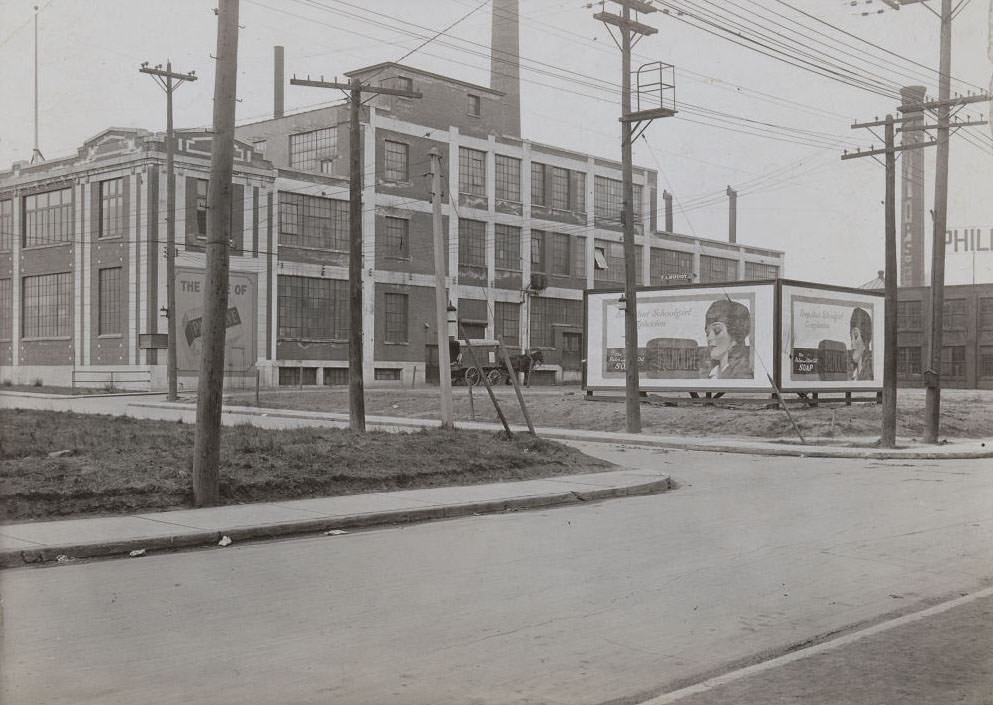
[[770, 129]]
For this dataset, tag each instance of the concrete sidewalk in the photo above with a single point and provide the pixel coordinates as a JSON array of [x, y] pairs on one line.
[[39, 542], [67, 539]]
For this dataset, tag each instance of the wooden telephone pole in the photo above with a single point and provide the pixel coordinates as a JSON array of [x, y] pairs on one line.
[[165, 79], [628, 27], [356, 389], [441, 295], [207, 446]]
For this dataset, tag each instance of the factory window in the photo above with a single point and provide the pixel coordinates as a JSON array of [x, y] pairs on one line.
[[472, 171], [608, 258], [472, 243], [48, 217], [986, 313], [312, 309], [508, 178], [397, 238], [109, 301], [538, 238], [47, 306], [6, 224], [113, 219], [955, 314], [314, 151], [717, 269], [908, 361], [668, 265], [757, 270], [546, 313], [953, 361], [986, 361], [608, 199], [473, 105], [539, 193], [560, 254], [6, 311], [508, 247], [579, 256], [395, 318], [396, 161], [506, 322], [908, 315], [313, 222]]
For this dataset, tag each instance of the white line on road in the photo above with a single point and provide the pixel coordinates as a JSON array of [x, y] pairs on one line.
[[712, 683]]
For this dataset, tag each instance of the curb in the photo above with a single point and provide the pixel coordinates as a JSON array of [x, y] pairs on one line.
[[199, 539]]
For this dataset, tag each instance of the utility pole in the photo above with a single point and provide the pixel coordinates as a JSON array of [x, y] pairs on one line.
[[356, 393], [441, 295], [932, 374], [732, 215], [207, 446], [889, 150], [628, 27], [165, 79]]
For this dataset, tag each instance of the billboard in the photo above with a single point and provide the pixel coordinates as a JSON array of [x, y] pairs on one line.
[[239, 341], [831, 338], [694, 338]]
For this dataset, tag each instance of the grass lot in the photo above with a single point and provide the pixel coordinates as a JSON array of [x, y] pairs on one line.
[[118, 464]]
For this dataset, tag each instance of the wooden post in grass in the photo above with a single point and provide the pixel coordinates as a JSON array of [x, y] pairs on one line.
[[482, 375], [517, 386]]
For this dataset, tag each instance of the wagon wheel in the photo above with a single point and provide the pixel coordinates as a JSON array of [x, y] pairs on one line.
[[495, 377], [472, 377]]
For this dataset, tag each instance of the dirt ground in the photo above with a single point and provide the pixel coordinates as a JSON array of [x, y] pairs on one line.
[[964, 413]]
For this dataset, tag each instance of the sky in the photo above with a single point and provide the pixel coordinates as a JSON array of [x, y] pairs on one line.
[[759, 122]]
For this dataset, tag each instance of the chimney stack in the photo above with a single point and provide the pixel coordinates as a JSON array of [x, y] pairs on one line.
[[910, 251], [505, 63], [277, 82], [667, 199]]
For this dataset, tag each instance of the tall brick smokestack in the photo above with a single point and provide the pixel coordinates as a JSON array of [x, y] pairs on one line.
[[505, 63], [277, 82], [911, 246]]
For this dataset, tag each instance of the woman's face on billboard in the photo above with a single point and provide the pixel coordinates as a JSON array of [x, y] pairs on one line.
[[858, 345], [718, 340]]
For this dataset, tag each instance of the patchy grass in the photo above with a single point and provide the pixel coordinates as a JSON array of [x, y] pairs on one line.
[[118, 464]]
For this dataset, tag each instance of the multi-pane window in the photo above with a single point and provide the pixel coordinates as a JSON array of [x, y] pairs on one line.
[[908, 315], [508, 178], [47, 306], [312, 221], [757, 270], [546, 313], [506, 322], [109, 301], [664, 264], [560, 259], [395, 318], [577, 191], [608, 199], [6, 309], [397, 238], [579, 256], [954, 314], [404, 83], [48, 217], [396, 157], [908, 361], [560, 188], [539, 195], [202, 209], [953, 360], [986, 361], [113, 219], [986, 313], [472, 171], [6, 224], [608, 261], [538, 250], [473, 105], [508, 247], [472, 243], [717, 269], [314, 151], [309, 308]]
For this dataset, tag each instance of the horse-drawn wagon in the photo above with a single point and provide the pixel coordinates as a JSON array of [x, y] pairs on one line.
[[486, 354]]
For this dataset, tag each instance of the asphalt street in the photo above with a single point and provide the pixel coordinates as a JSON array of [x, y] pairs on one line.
[[617, 601]]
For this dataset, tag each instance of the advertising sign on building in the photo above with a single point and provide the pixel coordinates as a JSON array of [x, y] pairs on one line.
[[689, 337], [239, 341], [969, 256], [740, 336]]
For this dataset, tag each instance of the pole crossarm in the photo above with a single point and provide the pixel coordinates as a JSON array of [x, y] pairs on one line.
[[348, 87], [933, 104], [626, 25], [884, 150], [156, 71]]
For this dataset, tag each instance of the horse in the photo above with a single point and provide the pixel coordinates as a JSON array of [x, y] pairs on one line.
[[525, 362]]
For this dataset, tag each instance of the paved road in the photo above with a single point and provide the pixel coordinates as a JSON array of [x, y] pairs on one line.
[[585, 604]]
